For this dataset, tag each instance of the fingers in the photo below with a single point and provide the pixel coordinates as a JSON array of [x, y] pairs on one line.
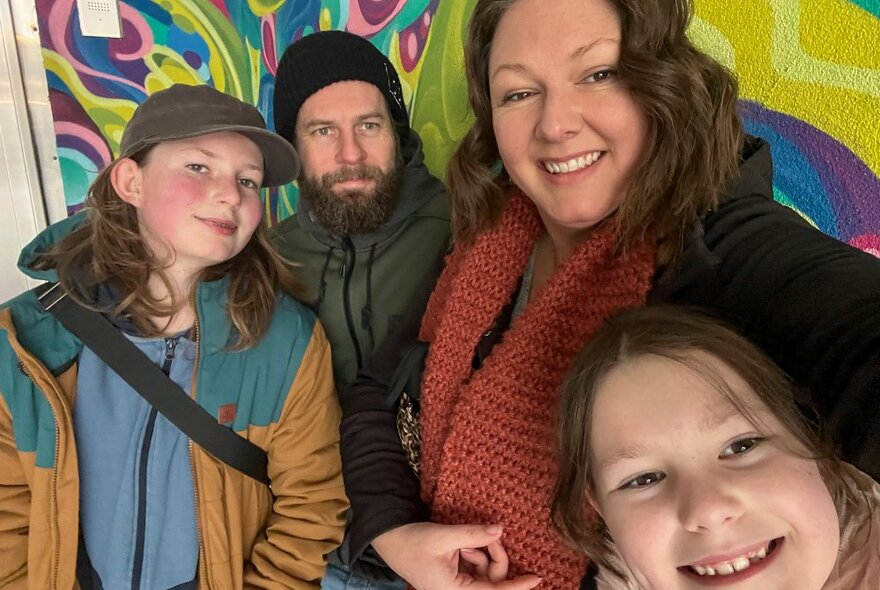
[[498, 562], [478, 561], [435, 556], [448, 538]]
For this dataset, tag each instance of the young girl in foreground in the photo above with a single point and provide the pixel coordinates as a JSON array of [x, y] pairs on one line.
[[687, 442], [95, 486]]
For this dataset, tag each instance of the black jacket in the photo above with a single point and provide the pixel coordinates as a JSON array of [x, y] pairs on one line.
[[811, 302]]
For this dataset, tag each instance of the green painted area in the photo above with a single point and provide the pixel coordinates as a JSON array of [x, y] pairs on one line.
[[440, 111], [77, 174]]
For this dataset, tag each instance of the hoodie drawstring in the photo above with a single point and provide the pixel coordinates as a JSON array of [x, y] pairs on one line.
[[323, 282], [367, 311]]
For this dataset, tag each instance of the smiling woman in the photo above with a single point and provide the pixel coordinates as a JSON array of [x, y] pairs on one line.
[[562, 118], [605, 168]]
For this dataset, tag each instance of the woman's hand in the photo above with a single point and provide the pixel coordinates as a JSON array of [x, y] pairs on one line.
[[429, 556], [490, 565]]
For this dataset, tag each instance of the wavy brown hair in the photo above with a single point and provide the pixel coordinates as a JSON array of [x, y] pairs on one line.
[[694, 136], [681, 335], [108, 247]]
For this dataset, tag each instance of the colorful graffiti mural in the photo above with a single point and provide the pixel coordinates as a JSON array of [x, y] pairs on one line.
[[809, 73]]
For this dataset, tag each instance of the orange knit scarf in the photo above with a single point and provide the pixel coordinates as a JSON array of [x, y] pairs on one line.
[[488, 437]]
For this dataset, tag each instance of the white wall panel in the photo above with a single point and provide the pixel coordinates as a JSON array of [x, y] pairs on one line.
[[22, 210]]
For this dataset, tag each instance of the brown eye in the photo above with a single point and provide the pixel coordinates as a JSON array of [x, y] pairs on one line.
[[516, 96], [600, 76], [740, 447], [644, 480]]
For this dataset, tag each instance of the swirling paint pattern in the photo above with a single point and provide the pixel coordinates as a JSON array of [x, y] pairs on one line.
[[809, 74], [816, 174]]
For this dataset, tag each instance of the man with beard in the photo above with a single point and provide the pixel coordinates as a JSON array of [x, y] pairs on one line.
[[372, 224]]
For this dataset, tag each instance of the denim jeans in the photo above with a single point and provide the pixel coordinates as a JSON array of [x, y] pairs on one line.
[[339, 577]]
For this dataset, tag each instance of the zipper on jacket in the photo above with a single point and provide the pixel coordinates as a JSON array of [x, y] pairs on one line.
[[140, 532], [347, 270], [54, 565], [201, 567]]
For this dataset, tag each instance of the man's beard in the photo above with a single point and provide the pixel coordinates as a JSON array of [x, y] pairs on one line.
[[355, 211]]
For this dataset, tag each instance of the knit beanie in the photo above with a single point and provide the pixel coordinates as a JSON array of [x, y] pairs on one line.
[[326, 57]]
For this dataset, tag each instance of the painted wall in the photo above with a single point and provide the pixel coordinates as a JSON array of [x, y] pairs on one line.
[[809, 72]]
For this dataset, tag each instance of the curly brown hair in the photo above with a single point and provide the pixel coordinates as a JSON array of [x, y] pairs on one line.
[[681, 335], [694, 135], [109, 247]]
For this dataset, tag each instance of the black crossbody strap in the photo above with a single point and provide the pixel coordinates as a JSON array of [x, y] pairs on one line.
[[153, 385]]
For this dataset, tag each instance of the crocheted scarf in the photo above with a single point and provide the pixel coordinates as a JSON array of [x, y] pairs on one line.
[[488, 436]]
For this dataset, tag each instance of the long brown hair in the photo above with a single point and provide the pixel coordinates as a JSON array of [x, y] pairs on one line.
[[108, 247], [689, 100], [677, 334]]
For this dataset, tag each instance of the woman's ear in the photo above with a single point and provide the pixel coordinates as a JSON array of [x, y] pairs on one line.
[[126, 180]]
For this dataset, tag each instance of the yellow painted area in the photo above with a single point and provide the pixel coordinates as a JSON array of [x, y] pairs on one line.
[[712, 41], [840, 96], [261, 7], [789, 57], [838, 31], [325, 20], [167, 67]]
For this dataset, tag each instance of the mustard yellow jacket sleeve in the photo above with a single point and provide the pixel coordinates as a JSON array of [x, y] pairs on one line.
[[308, 515], [15, 506]]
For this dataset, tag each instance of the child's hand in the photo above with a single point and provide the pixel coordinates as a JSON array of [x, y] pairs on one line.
[[488, 565]]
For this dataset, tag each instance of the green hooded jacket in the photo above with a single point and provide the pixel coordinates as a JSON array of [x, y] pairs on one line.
[[361, 285]]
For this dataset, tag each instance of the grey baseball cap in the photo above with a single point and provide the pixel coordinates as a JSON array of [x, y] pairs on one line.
[[182, 111]]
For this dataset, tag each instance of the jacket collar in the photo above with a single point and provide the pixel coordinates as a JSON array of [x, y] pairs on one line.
[[43, 242]]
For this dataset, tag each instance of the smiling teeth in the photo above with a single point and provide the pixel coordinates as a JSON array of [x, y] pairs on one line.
[[573, 164], [736, 565]]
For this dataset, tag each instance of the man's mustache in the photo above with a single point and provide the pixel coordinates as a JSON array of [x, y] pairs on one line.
[[348, 173]]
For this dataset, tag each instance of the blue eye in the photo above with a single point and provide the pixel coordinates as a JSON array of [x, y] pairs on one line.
[[741, 446], [644, 480], [248, 183]]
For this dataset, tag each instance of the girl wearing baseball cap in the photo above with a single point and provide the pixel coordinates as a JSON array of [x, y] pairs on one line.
[[96, 485]]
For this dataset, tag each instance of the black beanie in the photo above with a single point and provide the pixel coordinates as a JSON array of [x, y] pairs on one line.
[[323, 58]]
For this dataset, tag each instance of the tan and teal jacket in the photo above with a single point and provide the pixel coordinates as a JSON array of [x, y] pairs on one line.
[[250, 536]]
